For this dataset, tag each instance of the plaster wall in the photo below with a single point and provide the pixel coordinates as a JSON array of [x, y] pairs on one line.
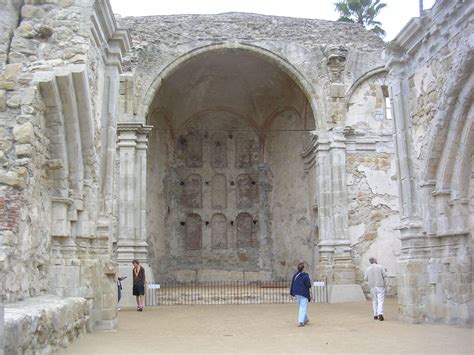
[[372, 181], [293, 229]]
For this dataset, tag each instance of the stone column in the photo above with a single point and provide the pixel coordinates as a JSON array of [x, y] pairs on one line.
[[413, 260], [335, 261], [132, 149]]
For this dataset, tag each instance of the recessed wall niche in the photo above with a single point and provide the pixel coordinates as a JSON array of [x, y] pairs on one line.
[[219, 231], [190, 145], [192, 192], [219, 150], [219, 192], [193, 232], [246, 231], [243, 151], [246, 191]]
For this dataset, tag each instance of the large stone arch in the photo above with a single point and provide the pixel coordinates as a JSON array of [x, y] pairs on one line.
[[256, 109], [446, 167], [270, 56]]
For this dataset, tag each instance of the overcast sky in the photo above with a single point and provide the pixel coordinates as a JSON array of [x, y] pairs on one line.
[[393, 17]]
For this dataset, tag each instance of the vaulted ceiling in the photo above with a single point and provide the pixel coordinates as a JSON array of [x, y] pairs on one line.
[[229, 80]]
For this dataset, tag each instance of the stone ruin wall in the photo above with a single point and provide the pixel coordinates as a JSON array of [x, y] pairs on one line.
[[46, 45], [216, 196], [158, 41], [431, 65], [52, 74], [371, 178], [335, 58]]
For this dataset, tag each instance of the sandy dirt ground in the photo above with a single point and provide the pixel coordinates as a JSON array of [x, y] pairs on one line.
[[334, 328]]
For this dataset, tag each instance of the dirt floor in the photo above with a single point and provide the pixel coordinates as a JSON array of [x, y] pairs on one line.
[[334, 328]]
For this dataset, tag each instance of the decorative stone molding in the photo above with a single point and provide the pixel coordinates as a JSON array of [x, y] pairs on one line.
[[69, 119], [308, 153], [61, 224], [336, 62], [327, 151], [114, 42], [435, 169], [360, 80]]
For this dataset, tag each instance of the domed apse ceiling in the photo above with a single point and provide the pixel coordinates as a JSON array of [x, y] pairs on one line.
[[235, 81]]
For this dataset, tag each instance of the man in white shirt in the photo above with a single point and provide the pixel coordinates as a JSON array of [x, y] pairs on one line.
[[375, 276]]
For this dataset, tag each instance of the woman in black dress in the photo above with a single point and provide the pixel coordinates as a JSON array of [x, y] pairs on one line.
[[138, 283]]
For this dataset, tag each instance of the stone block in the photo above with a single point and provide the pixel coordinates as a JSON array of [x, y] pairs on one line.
[[12, 179], [21, 171], [14, 101], [109, 267], [28, 96], [10, 76], [23, 45], [26, 30], [109, 300], [24, 133], [16, 57], [109, 313], [54, 164], [337, 91], [41, 324], [29, 11], [65, 3], [23, 150], [8, 238], [5, 144], [108, 284], [106, 324], [3, 101], [345, 293]]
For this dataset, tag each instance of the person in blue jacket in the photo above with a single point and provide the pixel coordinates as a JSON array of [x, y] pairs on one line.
[[300, 288]]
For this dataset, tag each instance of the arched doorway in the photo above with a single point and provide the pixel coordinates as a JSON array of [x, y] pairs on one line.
[[227, 194]]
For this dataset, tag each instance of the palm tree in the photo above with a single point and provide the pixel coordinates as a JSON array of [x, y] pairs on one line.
[[362, 12]]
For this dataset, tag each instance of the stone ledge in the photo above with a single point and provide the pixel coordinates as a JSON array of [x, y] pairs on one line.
[[42, 325]]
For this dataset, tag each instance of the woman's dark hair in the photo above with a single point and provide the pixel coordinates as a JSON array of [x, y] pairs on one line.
[[135, 261], [300, 267]]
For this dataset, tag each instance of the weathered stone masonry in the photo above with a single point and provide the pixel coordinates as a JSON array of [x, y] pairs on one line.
[[60, 64], [431, 84], [229, 147], [294, 110]]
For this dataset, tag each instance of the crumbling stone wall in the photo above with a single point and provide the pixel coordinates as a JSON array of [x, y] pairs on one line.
[[431, 82], [371, 169], [44, 324], [54, 60], [302, 42], [337, 67]]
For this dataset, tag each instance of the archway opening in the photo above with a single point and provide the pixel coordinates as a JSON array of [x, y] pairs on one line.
[[228, 197]]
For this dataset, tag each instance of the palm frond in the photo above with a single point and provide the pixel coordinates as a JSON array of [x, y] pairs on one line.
[[363, 12]]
